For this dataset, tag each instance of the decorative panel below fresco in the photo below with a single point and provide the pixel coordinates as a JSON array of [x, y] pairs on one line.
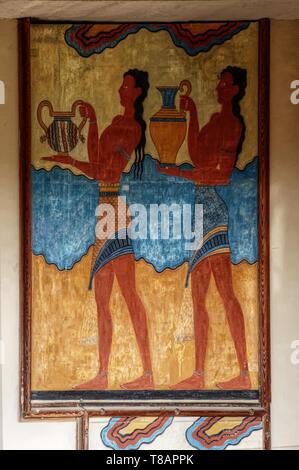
[[166, 433]]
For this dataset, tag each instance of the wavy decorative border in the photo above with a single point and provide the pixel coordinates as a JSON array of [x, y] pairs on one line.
[[183, 35], [199, 435], [138, 256], [115, 437]]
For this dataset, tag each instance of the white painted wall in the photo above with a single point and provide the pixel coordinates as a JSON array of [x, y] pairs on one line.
[[284, 192], [15, 435], [284, 232]]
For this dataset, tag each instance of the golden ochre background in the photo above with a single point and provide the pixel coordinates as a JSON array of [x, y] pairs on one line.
[[62, 76], [64, 330]]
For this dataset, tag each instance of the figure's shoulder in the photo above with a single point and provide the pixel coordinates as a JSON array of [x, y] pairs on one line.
[[128, 122], [211, 123], [233, 122], [117, 119], [215, 116]]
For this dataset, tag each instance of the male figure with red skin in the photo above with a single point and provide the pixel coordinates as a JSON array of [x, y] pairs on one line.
[[107, 164], [213, 150]]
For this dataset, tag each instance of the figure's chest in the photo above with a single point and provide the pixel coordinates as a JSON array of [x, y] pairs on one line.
[[119, 130], [218, 131]]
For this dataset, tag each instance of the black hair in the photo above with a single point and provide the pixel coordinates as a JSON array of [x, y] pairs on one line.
[[141, 81], [239, 78]]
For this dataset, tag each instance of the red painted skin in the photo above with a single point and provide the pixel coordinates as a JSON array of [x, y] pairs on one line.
[[106, 164], [213, 150]]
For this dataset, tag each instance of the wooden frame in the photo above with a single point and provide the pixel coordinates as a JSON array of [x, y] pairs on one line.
[[82, 411]]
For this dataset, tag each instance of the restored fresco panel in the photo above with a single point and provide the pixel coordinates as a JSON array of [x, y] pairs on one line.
[[145, 211]]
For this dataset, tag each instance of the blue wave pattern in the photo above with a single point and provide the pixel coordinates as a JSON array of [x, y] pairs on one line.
[[158, 188], [63, 214], [241, 199]]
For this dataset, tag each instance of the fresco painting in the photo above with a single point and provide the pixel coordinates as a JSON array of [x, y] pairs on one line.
[[127, 118]]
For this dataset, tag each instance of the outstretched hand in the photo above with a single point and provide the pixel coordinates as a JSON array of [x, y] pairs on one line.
[[65, 159], [87, 111]]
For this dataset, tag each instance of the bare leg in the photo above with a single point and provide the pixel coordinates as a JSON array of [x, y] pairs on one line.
[[221, 267], [200, 279], [103, 288], [124, 268]]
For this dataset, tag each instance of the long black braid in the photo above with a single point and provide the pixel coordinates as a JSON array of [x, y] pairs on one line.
[[141, 81], [239, 78]]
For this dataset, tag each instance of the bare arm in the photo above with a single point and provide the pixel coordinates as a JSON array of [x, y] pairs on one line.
[[187, 104]]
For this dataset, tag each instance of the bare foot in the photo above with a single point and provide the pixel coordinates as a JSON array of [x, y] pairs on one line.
[[242, 382], [99, 382], [195, 382], [145, 382]]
